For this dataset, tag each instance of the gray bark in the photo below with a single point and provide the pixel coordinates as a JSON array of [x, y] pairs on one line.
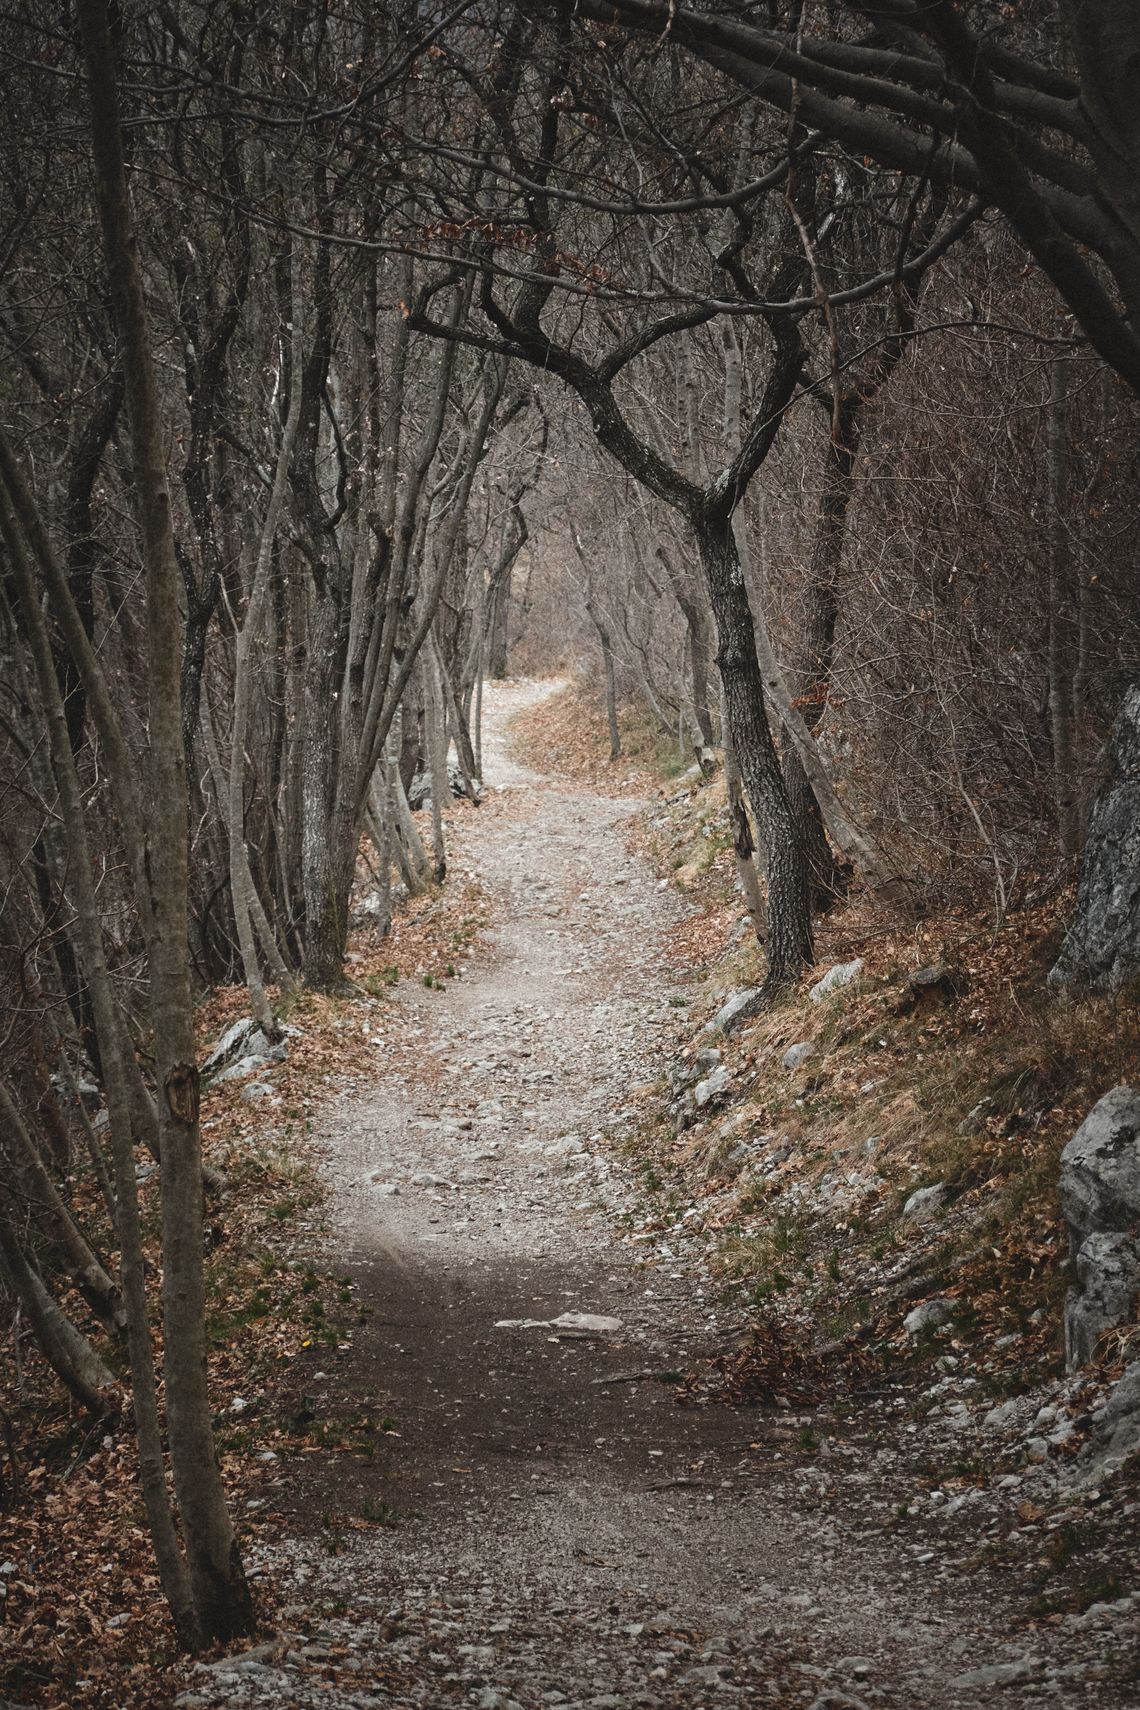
[[221, 1596]]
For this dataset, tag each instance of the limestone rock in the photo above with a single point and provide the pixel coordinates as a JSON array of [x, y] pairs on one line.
[[835, 978], [924, 1202], [243, 1038], [714, 1086], [1108, 1274], [1118, 1432], [928, 1316], [735, 1009], [250, 1063], [1100, 1167], [798, 1053]]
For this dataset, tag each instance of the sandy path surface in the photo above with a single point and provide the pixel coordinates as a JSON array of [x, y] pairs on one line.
[[558, 1531]]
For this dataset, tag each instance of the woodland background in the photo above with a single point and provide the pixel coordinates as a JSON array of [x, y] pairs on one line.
[[774, 368]]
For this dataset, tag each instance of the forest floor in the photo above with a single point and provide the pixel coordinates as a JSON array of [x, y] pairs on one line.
[[485, 1499]]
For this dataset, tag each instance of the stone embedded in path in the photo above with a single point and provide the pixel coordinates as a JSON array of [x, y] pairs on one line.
[[586, 1323], [425, 1178], [567, 1324]]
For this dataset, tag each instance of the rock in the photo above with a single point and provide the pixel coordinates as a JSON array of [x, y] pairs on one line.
[[924, 1202], [1108, 1277], [248, 1065], [928, 1316], [928, 986], [1117, 1433], [1100, 1197], [419, 790], [998, 1674], [1100, 1167], [735, 1010], [973, 1119], [729, 1157], [566, 1324], [1005, 1414], [797, 1054], [714, 1086], [1102, 947], [256, 1090], [243, 1039], [585, 1324], [840, 975]]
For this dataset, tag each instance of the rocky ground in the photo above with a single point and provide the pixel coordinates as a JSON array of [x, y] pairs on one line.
[[529, 1517]]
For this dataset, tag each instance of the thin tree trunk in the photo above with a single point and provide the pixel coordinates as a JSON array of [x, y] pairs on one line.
[[221, 1595], [113, 1056], [611, 688], [1060, 682], [63, 1346], [55, 1218], [789, 925], [743, 844], [435, 718], [242, 887]]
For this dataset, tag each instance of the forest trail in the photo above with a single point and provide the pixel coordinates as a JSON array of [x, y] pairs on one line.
[[557, 1531]]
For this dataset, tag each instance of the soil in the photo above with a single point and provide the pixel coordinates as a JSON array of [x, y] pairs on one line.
[[531, 1519]]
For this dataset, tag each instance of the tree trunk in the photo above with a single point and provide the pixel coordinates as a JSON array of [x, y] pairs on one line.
[[326, 914], [51, 1212], [608, 670], [1059, 650], [221, 1595], [744, 847], [789, 926], [819, 636], [64, 1347], [114, 1057]]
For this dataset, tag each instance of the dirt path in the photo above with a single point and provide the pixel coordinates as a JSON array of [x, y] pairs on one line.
[[558, 1532]]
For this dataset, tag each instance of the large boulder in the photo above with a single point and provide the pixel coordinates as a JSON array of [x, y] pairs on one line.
[[1100, 1197], [1102, 947], [1100, 1167], [1108, 1277], [1117, 1435]]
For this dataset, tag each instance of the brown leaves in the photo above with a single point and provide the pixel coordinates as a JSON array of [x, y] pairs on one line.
[[772, 1367]]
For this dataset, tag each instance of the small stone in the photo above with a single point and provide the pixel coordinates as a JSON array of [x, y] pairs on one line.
[[734, 1010], [998, 1674], [928, 1316], [924, 1202], [713, 1087], [798, 1053], [840, 975]]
